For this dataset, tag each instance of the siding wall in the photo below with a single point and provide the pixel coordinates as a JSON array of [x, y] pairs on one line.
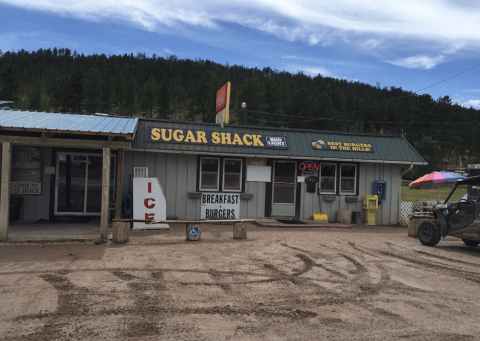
[[178, 176], [388, 212], [255, 207]]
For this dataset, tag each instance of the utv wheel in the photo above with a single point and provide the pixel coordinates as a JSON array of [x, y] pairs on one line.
[[429, 233], [470, 242]]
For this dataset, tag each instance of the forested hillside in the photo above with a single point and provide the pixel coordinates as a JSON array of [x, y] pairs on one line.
[[167, 87]]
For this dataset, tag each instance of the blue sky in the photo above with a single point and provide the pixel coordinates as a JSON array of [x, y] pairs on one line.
[[409, 44]]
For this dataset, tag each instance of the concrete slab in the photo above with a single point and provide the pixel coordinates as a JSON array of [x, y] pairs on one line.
[[31, 231], [57, 231], [308, 223]]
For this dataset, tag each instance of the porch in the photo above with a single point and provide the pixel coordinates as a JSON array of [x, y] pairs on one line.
[[55, 231]]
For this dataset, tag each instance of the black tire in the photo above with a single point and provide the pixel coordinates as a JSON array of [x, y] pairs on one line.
[[470, 242], [429, 233]]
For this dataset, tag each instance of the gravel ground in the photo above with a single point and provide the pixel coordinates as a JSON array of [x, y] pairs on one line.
[[364, 283]]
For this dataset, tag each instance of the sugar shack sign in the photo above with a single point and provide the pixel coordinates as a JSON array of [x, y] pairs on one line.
[[216, 138], [343, 146]]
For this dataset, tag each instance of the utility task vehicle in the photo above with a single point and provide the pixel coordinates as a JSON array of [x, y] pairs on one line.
[[457, 219]]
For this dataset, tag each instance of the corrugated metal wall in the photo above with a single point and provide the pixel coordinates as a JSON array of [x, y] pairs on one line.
[[178, 176]]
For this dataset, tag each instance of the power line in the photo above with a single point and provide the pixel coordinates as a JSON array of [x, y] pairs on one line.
[[447, 79], [378, 122], [310, 119]]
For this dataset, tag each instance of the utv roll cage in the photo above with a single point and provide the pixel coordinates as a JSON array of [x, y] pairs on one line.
[[473, 181]]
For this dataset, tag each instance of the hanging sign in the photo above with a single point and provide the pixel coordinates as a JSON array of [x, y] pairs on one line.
[[343, 146], [223, 104], [216, 138], [220, 206], [309, 167]]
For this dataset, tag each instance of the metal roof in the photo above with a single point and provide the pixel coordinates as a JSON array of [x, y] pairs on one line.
[[68, 123], [6, 103], [387, 148]]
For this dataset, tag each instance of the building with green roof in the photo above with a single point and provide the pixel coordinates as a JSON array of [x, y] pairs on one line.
[[209, 171]]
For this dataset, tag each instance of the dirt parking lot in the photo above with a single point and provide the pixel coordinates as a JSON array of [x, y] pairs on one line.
[[365, 283]]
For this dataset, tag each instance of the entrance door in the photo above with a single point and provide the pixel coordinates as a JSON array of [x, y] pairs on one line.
[[78, 188], [284, 188]]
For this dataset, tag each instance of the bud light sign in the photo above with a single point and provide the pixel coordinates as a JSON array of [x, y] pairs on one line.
[[309, 167], [277, 141]]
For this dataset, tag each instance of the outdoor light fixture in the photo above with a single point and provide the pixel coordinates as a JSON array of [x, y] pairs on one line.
[[244, 106]]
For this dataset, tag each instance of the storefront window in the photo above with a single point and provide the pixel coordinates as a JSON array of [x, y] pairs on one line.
[[348, 179], [232, 175], [343, 174], [220, 174], [209, 174], [328, 179]]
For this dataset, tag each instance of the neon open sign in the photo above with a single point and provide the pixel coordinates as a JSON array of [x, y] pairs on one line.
[[309, 167]]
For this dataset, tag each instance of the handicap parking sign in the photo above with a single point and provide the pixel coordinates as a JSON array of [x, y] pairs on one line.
[[193, 231]]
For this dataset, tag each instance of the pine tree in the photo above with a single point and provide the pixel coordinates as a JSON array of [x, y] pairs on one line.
[[10, 84]]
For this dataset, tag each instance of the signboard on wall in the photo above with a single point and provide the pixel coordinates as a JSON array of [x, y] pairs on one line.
[[309, 167], [148, 203], [220, 206], [343, 146], [223, 103], [215, 138], [26, 175], [259, 173]]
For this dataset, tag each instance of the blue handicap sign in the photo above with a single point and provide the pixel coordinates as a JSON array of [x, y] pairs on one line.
[[193, 231]]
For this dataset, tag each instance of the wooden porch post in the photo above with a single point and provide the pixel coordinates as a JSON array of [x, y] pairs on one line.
[[105, 193], [5, 191], [119, 194]]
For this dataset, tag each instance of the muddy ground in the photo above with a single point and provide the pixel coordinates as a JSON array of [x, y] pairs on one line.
[[365, 283]]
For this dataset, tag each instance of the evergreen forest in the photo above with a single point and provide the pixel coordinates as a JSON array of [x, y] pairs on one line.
[[59, 80]]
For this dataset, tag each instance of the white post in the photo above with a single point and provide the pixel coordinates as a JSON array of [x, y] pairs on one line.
[[105, 193], [119, 194]]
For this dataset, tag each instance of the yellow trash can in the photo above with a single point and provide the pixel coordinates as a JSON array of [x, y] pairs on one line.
[[370, 206]]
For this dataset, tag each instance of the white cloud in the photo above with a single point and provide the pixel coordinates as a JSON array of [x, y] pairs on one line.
[[472, 103], [315, 70], [435, 26], [465, 101], [419, 62]]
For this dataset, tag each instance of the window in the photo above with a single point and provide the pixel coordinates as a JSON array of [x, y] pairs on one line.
[[232, 175], [220, 174], [209, 174], [348, 179], [328, 179], [338, 178]]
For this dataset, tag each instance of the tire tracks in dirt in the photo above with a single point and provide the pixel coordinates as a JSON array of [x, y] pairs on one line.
[[446, 270]]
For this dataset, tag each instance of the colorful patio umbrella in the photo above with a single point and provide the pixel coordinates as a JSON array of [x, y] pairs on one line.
[[436, 178]]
